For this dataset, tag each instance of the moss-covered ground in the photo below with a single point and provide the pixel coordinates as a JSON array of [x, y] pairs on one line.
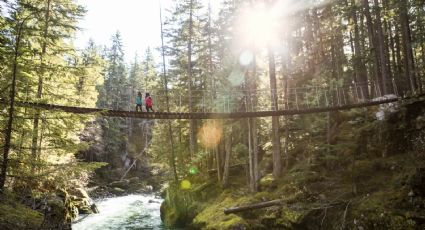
[[14, 215], [373, 177]]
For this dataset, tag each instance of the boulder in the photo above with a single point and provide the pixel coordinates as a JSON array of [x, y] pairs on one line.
[[123, 184], [136, 187], [94, 208], [81, 201], [59, 212], [100, 192], [117, 191], [83, 205], [145, 189], [79, 192], [134, 180]]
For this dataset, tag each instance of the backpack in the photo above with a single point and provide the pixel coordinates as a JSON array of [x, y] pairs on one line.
[[149, 102]]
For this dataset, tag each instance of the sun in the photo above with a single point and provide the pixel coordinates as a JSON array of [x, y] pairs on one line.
[[259, 25]]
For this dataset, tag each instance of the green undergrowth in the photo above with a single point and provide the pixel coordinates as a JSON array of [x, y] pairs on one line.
[[213, 217], [372, 177], [372, 195], [14, 215]]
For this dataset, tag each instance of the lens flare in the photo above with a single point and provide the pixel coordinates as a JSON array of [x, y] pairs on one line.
[[210, 134], [185, 185], [236, 77], [193, 170], [259, 25], [246, 58]]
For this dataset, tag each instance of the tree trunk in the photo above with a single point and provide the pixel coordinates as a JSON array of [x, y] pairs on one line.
[[228, 148], [192, 137], [402, 82], [217, 150], [253, 206], [372, 44], [165, 80], [396, 74], [9, 127], [36, 122], [383, 55], [210, 55], [277, 163], [285, 73], [407, 45], [359, 65], [255, 152], [252, 180]]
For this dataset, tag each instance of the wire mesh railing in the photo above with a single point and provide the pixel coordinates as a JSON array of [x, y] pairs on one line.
[[226, 101]]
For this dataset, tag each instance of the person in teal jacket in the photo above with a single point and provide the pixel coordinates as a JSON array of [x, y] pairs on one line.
[[139, 102]]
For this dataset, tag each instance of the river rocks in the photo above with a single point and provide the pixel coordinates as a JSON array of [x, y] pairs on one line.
[[123, 184], [59, 211], [117, 191], [153, 202], [79, 192], [148, 189], [118, 188], [143, 188], [81, 200], [101, 192], [134, 180], [94, 208], [83, 205]]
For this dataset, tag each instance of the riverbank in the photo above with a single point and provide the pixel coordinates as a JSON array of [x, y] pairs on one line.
[[58, 208]]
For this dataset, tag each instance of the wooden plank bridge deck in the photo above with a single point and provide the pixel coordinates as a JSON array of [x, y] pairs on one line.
[[202, 116]]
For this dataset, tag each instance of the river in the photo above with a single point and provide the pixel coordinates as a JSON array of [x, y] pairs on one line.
[[125, 212]]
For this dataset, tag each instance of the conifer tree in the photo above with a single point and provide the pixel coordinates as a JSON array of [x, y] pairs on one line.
[[115, 95]]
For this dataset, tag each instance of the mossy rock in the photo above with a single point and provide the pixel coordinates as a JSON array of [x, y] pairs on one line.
[[83, 206], [60, 213], [79, 192], [137, 187], [213, 216], [123, 184], [268, 182], [288, 218], [264, 196], [224, 222], [172, 217], [134, 180], [117, 191]]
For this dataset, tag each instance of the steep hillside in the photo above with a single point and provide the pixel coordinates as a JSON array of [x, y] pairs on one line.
[[372, 177]]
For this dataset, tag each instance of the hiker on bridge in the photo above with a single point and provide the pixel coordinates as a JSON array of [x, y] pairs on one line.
[[139, 102], [148, 102]]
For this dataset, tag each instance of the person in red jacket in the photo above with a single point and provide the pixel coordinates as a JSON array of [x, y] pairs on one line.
[[148, 102]]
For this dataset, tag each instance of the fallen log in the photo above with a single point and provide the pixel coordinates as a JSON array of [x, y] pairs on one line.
[[253, 206]]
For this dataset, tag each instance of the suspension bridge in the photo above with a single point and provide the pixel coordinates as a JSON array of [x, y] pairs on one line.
[[236, 104]]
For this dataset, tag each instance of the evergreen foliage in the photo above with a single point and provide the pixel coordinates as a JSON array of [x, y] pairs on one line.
[[37, 51], [378, 45]]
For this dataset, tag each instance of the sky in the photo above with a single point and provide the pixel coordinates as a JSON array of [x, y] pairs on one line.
[[137, 21]]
